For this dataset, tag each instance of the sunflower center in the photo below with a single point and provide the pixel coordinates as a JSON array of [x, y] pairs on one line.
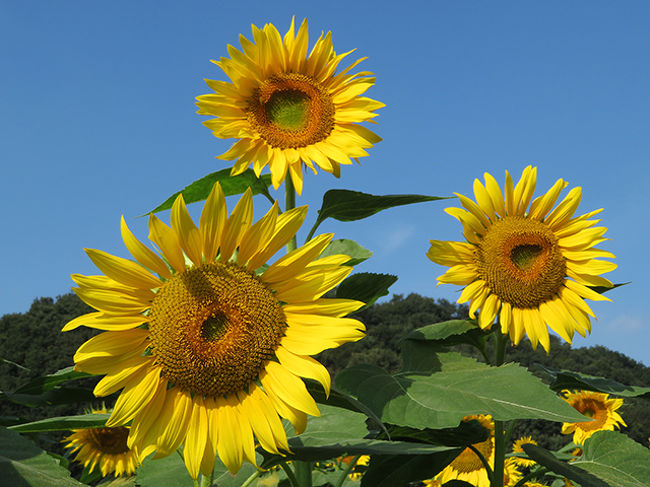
[[291, 110], [521, 261], [213, 329], [109, 440], [468, 461]]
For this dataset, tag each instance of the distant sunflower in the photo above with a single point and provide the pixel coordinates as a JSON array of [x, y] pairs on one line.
[[362, 461], [209, 353], [468, 466], [597, 406], [530, 266], [517, 448], [106, 446], [288, 108], [511, 474]]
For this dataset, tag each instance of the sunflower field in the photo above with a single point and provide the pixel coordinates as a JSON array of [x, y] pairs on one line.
[[208, 328]]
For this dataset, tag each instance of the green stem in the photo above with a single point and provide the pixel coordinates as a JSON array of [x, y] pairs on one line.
[[509, 429], [206, 480], [289, 204], [346, 471], [290, 475], [196, 482], [499, 433], [250, 479], [303, 473], [499, 346]]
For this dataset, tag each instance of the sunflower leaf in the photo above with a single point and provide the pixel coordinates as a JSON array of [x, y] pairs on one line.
[[63, 423], [24, 464], [347, 247], [366, 287], [547, 459], [448, 333], [339, 432], [616, 459], [567, 379], [438, 392], [48, 382], [346, 206], [231, 185]]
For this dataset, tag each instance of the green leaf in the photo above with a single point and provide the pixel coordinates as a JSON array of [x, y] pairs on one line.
[[366, 287], [604, 289], [45, 383], [616, 459], [448, 333], [351, 248], [547, 459], [63, 423], [465, 434], [170, 471], [9, 362], [459, 387], [231, 185], [339, 432], [58, 395], [23, 464], [400, 470], [566, 379], [347, 206]]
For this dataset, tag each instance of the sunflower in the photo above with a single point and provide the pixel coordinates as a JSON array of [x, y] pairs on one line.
[[288, 108], [362, 461], [530, 266], [209, 353], [517, 448], [468, 466], [511, 474], [106, 446], [597, 406]]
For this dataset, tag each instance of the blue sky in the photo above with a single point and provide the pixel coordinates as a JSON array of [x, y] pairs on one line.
[[97, 120]]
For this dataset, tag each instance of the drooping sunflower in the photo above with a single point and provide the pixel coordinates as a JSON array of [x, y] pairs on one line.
[[517, 448], [208, 352], [288, 108], [468, 466], [597, 406], [104, 446], [526, 263]]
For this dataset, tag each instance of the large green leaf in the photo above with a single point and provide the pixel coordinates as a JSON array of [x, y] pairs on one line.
[[170, 471], [449, 333], [339, 432], [23, 464], [351, 248], [466, 433], [347, 206], [566, 379], [400, 470], [366, 287], [231, 185], [459, 386], [547, 459], [45, 383], [616, 459], [63, 423]]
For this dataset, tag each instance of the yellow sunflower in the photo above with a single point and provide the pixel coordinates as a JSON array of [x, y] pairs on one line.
[[363, 461], [597, 406], [517, 448], [526, 263], [209, 353], [106, 446], [431, 483], [511, 474], [468, 466], [288, 108]]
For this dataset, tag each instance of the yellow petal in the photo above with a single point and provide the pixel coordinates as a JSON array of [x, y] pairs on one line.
[[167, 241], [540, 208], [106, 322], [143, 430], [188, 235], [239, 221], [257, 235], [197, 438], [496, 196], [290, 388], [294, 262], [450, 253], [304, 366], [136, 395], [174, 417], [488, 312], [213, 219], [122, 270], [134, 368], [311, 284], [459, 274], [483, 199], [112, 302], [325, 306], [112, 344], [142, 253]]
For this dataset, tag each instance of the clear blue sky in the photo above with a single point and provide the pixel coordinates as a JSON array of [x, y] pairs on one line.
[[97, 120]]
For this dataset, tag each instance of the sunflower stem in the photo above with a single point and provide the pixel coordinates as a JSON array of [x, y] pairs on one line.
[[250, 479], [206, 480], [290, 475], [346, 471], [499, 433], [289, 204], [303, 473]]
